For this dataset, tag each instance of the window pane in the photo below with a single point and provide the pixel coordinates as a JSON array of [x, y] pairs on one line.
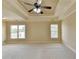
[[13, 31], [21, 31], [54, 30]]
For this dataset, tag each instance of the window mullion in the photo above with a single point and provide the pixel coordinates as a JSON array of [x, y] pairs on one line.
[[18, 31]]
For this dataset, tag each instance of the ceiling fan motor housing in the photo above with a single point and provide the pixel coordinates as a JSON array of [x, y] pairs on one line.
[[37, 5]]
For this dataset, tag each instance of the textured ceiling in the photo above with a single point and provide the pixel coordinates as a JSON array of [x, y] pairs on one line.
[[52, 3], [15, 9], [12, 9]]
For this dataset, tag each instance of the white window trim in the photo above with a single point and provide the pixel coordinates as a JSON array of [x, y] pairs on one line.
[[8, 30], [59, 39], [52, 37], [17, 32]]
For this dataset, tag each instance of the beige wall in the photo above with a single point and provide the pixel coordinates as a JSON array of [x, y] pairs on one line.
[[37, 32], [3, 31], [69, 31]]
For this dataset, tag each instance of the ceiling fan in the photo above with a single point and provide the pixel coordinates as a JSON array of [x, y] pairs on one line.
[[37, 6]]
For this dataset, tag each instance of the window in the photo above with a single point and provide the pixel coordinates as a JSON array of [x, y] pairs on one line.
[[54, 31], [13, 32], [17, 31], [21, 31]]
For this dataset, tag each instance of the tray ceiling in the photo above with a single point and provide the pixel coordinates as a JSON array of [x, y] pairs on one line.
[[52, 3], [15, 9], [12, 9]]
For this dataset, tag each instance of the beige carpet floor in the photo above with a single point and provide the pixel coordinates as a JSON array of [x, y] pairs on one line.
[[37, 51]]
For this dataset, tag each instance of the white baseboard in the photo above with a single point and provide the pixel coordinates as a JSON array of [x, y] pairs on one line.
[[70, 47]]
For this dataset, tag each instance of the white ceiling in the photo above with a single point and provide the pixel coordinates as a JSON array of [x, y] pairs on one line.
[[13, 10]]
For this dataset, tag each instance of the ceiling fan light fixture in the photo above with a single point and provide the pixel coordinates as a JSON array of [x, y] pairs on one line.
[[37, 7], [37, 10]]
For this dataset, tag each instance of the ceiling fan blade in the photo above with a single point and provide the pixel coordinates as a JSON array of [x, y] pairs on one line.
[[28, 3], [30, 10], [47, 7], [41, 12]]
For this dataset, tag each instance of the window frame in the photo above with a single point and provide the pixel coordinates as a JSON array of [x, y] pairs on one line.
[[18, 31], [59, 39], [54, 31], [8, 30]]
